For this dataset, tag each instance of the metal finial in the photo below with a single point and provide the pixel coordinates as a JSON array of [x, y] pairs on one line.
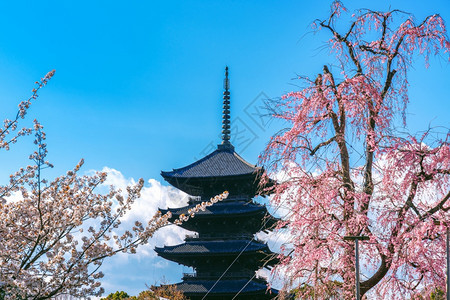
[[226, 81], [226, 111]]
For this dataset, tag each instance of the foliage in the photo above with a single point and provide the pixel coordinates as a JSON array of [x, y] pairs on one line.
[[430, 294], [333, 290], [350, 172], [146, 295], [168, 291], [117, 296], [438, 294], [153, 293]]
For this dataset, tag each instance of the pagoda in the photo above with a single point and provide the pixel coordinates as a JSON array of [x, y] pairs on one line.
[[224, 252]]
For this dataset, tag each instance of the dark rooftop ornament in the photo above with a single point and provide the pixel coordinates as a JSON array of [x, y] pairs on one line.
[[226, 114]]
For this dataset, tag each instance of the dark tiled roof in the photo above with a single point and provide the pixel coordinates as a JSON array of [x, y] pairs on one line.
[[222, 162], [222, 287], [221, 208], [212, 247]]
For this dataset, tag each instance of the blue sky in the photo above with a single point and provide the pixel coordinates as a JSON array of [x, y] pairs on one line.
[[138, 85]]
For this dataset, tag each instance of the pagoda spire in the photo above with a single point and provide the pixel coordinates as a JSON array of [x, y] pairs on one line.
[[226, 112]]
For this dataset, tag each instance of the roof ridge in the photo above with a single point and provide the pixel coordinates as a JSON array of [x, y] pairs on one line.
[[192, 164], [221, 162], [244, 161]]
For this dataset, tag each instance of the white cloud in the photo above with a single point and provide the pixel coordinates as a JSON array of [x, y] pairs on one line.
[[14, 197], [132, 273], [276, 239]]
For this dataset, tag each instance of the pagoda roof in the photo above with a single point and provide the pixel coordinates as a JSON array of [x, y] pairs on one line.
[[237, 210], [224, 287], [214, 247], [222, 162], [225, 208]]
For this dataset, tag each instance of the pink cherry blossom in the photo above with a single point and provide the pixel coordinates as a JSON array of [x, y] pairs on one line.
[[350, 173]]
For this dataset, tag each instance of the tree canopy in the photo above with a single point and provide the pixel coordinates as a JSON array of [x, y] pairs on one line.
[[349, 169]]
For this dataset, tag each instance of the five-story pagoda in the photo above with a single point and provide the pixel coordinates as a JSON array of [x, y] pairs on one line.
[[224, 253]]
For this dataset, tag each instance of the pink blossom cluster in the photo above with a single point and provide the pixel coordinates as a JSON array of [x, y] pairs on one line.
[[10, 126], [200, 207]]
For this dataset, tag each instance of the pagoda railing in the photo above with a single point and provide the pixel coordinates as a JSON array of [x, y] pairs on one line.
[[191, 237], [238, 197], [242, 197], [189, 275], [195, 199], [218, 236], [215, 275]]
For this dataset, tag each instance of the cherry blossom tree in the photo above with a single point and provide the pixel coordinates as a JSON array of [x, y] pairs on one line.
[[349, 169], [55, 235]]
